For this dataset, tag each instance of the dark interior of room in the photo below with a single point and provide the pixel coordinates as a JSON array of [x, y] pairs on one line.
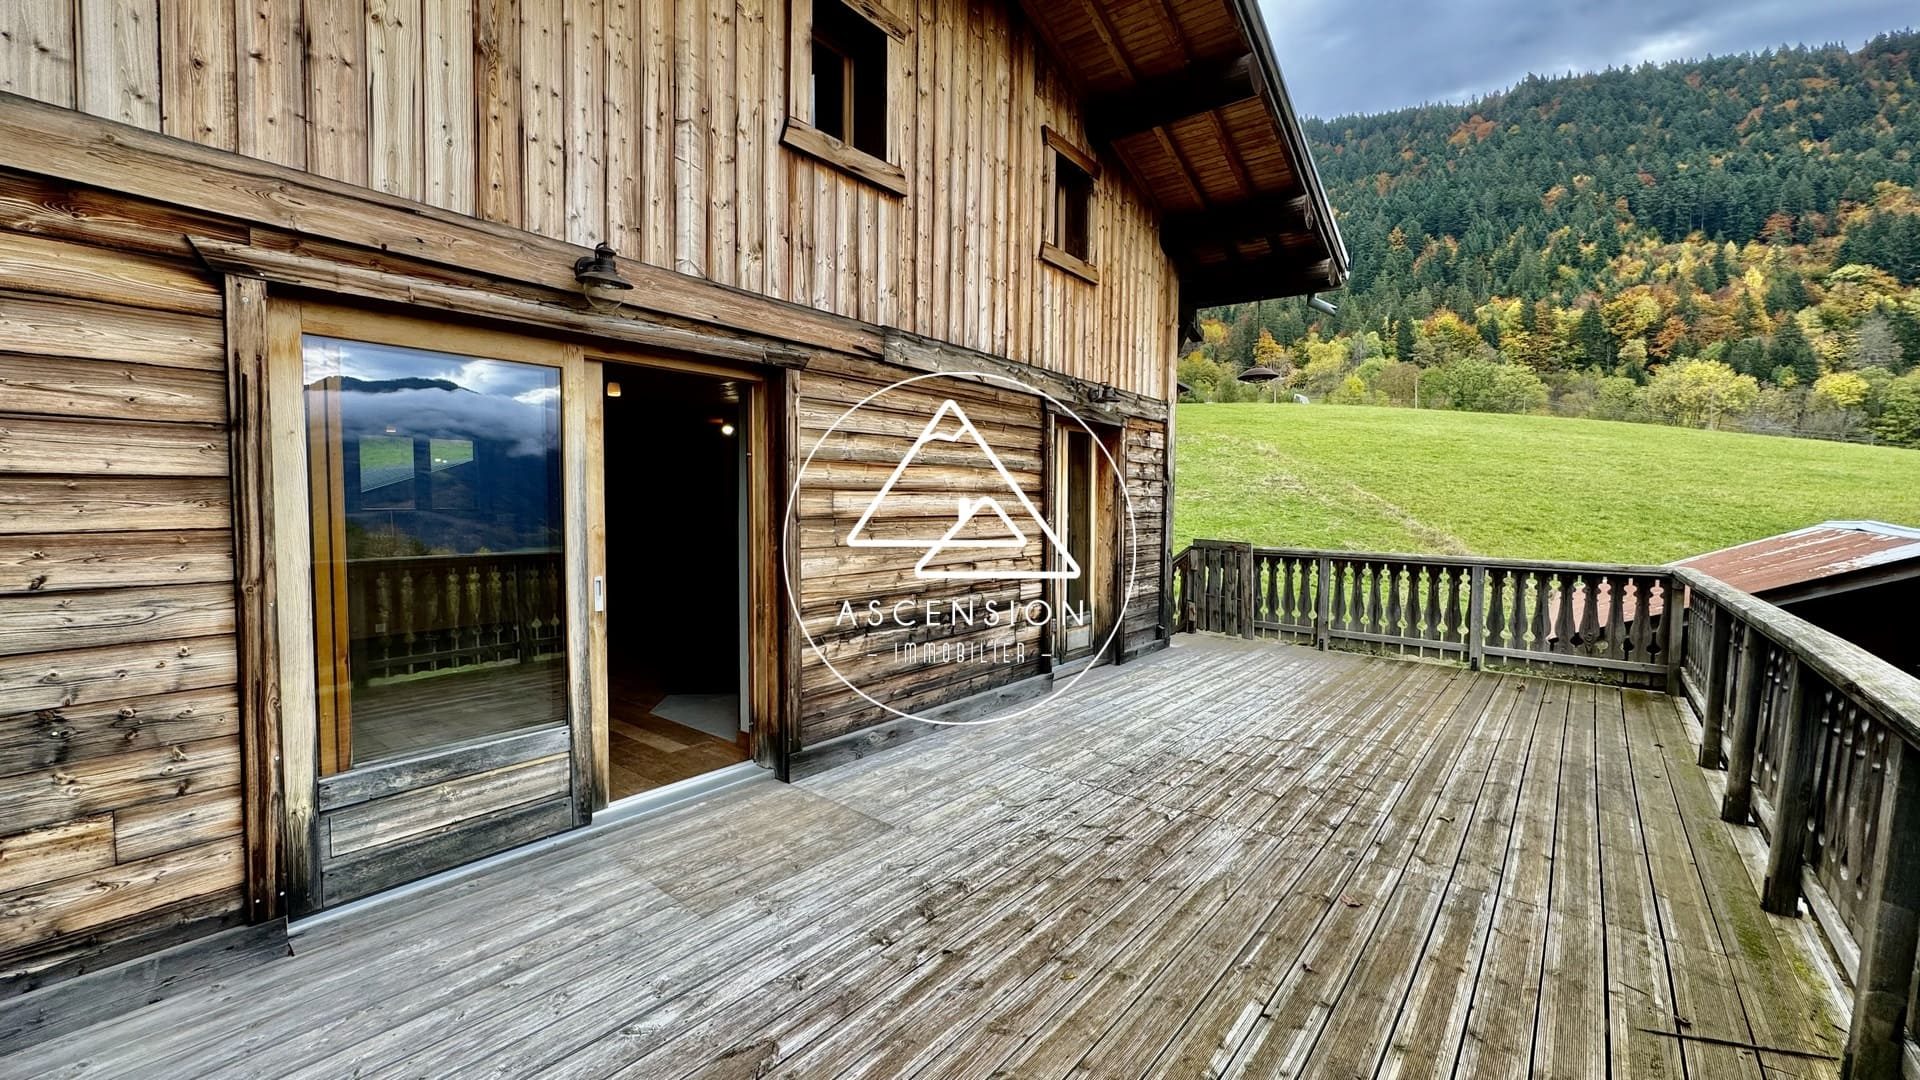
[[674, 575]]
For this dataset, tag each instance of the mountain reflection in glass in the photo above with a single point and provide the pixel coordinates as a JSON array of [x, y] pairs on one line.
[[438, 577]]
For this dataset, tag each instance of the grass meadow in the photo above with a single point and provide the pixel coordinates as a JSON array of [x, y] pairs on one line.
[[1404, 480]]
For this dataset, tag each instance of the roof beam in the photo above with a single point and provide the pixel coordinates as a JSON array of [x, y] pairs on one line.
[[1266, 279], [1155, 103], [1227, 224]]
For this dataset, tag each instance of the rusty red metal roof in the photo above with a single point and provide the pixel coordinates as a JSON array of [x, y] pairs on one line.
[[1815, 553]]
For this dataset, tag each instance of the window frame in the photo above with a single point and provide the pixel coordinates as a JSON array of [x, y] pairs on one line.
[[798, 134], [1053, 250]]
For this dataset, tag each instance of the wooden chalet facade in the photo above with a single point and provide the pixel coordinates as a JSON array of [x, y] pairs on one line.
[[237, 237]]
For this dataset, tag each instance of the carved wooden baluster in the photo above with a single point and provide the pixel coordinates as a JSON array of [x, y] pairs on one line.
[[513, 643], [1496, 626], [1517, 610], [1539, 625], [1830, 767], [1640, 631], [409, 618], [475, 642], [1589, 615], [1304, 571], [550, 606], [1564, 630], [1434, 617], [432, 626], [1338, 616], [1870, 745], [1289, 566], [1276, 568], [1616, 619], [1664, 638], [1216, 591], [1840, 787], [457, 616], [382, 664], [1399, 611], [1375, 612], [358, 625], [1767, 752], [1268, 594], [1455, 582]]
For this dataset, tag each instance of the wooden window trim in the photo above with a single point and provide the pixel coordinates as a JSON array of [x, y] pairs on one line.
[[1078, 155], [802, 137], [811, 141], [878, 14], [1051, 252], [1054, 255]]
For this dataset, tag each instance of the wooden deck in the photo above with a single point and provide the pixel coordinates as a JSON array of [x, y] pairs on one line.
[[1233, 858]]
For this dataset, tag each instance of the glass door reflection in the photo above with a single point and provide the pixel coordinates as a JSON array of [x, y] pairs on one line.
[[439, 582]]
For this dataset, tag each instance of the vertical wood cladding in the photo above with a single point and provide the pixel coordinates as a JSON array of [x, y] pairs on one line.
[[656, 125], [120, 772]]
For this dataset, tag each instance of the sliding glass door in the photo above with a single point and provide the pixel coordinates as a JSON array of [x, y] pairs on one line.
[[439, 575], [430, 560]]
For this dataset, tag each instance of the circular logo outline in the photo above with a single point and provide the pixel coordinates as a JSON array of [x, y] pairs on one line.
[[1133, 546]]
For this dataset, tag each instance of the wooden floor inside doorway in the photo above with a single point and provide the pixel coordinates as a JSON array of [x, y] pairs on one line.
[[645, 751], [1230, 859]]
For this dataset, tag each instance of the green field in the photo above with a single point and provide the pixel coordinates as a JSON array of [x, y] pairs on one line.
[[1400, 480]]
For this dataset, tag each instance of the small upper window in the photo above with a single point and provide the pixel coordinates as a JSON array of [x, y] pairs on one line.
[[849, 78], [1072, 207]]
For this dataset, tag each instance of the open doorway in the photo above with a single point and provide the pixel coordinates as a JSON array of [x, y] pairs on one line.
[[676, 489]]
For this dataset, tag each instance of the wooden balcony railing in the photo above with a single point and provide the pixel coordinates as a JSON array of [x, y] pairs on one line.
[[1819, 738], [424, 613], [1821, 743], [1608, 621]]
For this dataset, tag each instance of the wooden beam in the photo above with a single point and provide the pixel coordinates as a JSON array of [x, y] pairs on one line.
[[1241, 282], [1229, 223], [1158, 102], [301, 271]]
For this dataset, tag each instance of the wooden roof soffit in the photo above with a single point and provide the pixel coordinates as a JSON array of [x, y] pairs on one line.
[[1265, 215], [1159, 102]]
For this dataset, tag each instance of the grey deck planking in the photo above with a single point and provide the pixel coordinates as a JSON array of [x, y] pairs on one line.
[[1236, 857]]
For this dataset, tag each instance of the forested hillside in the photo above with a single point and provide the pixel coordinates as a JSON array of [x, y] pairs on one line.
[[1724, 242]]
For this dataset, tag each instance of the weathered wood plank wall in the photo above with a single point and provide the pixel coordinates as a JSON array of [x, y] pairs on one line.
[[656, 125], [846, 473], [120, 770]]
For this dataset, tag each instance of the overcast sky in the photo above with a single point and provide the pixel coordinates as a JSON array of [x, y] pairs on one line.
[[1346, 56]]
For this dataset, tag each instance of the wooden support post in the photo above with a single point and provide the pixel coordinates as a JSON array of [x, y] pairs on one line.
[[1476, 616], [1889, 924], [1713, 718], [255, 591], [1780, 891], [1673, 611], [1737, 804], [1323, 603]]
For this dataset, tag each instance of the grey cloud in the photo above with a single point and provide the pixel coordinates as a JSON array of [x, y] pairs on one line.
[[1347, 56]]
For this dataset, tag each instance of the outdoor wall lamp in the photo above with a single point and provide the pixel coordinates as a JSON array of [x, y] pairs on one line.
[[598, 270]]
